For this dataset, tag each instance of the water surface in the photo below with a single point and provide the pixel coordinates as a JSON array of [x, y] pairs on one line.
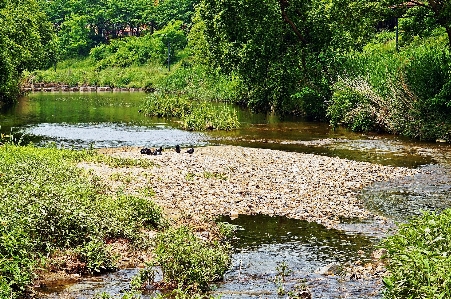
[[82, 120]]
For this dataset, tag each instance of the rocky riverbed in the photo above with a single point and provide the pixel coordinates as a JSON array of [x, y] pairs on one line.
[[231, 180]]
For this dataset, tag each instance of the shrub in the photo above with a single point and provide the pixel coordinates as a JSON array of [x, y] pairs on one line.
[[419, 258], [189, 261], [97, 257], [205, 116], [194, 115], [405, 93]]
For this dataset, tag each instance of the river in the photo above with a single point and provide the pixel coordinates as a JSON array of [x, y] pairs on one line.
[[96, 120]]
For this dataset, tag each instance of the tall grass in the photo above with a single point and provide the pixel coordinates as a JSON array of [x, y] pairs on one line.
[[193, 115], [406, 92]]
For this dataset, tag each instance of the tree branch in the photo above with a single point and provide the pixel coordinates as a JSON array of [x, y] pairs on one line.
[[283, 5]]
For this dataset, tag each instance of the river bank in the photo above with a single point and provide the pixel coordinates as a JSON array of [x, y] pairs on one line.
[[232, 180]]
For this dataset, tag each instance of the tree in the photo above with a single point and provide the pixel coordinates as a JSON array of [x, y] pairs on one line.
[[167, 11], [25, 44], [284, 51], [438, 11]]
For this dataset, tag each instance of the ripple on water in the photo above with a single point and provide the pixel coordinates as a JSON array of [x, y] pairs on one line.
[[429, 190], [263, 243]]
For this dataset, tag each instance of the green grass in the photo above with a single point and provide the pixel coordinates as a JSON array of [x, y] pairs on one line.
[[193, 115], [188, 262], [49, 205], [419, 258]]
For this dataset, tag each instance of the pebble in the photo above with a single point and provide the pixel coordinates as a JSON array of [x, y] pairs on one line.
[[233, 180]]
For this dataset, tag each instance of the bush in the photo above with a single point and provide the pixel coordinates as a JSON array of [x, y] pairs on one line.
[[205, 116], [419, 258], [405, 93], [189, 261], [97, 257]]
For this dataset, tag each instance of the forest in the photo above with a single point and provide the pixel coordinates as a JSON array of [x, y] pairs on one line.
[[380, 66]]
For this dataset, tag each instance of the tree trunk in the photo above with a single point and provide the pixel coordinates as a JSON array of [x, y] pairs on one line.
[[283, 5]]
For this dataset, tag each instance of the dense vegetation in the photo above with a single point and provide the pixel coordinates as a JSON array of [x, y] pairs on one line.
[[54, 216], [420, 258], [333, 60], [50, 206]]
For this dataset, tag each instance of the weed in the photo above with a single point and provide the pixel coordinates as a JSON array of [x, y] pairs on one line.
[[97, 257], [282, 272], [194, 115], [215, 175], [419, 258], [188, 261], [49, 204], [190, 176]]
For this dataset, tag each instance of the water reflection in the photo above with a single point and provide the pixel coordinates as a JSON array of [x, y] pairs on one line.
[[263, 243], [112, 135], [112, 120]]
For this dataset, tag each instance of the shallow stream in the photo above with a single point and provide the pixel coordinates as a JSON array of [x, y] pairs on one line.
[[263, 243]]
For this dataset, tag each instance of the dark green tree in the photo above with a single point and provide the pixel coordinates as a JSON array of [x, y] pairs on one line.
[[167, 11], [285, 51], [425, 15]]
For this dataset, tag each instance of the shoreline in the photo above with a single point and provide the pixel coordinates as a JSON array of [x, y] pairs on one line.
[[233, 180], [57, 87]]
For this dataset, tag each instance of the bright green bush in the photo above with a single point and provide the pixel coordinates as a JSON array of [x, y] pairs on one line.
[[97, 257], [205, 116], [167, 105], [419, 258], [188, 261]]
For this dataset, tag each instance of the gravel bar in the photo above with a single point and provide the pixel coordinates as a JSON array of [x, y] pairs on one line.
[[232, 180]]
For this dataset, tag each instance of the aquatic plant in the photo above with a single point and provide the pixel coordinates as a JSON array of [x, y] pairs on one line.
[[193, 115]]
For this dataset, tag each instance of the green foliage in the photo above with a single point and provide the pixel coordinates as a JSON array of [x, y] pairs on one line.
[[25, 44], [423, 19], [49, 204], [184, 294], [167, 105], [97, 257], [141, 50], [419, 258], [205, 116], [194, 115], [404, 92], [168, 11], [188, 261], [284, 54]]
